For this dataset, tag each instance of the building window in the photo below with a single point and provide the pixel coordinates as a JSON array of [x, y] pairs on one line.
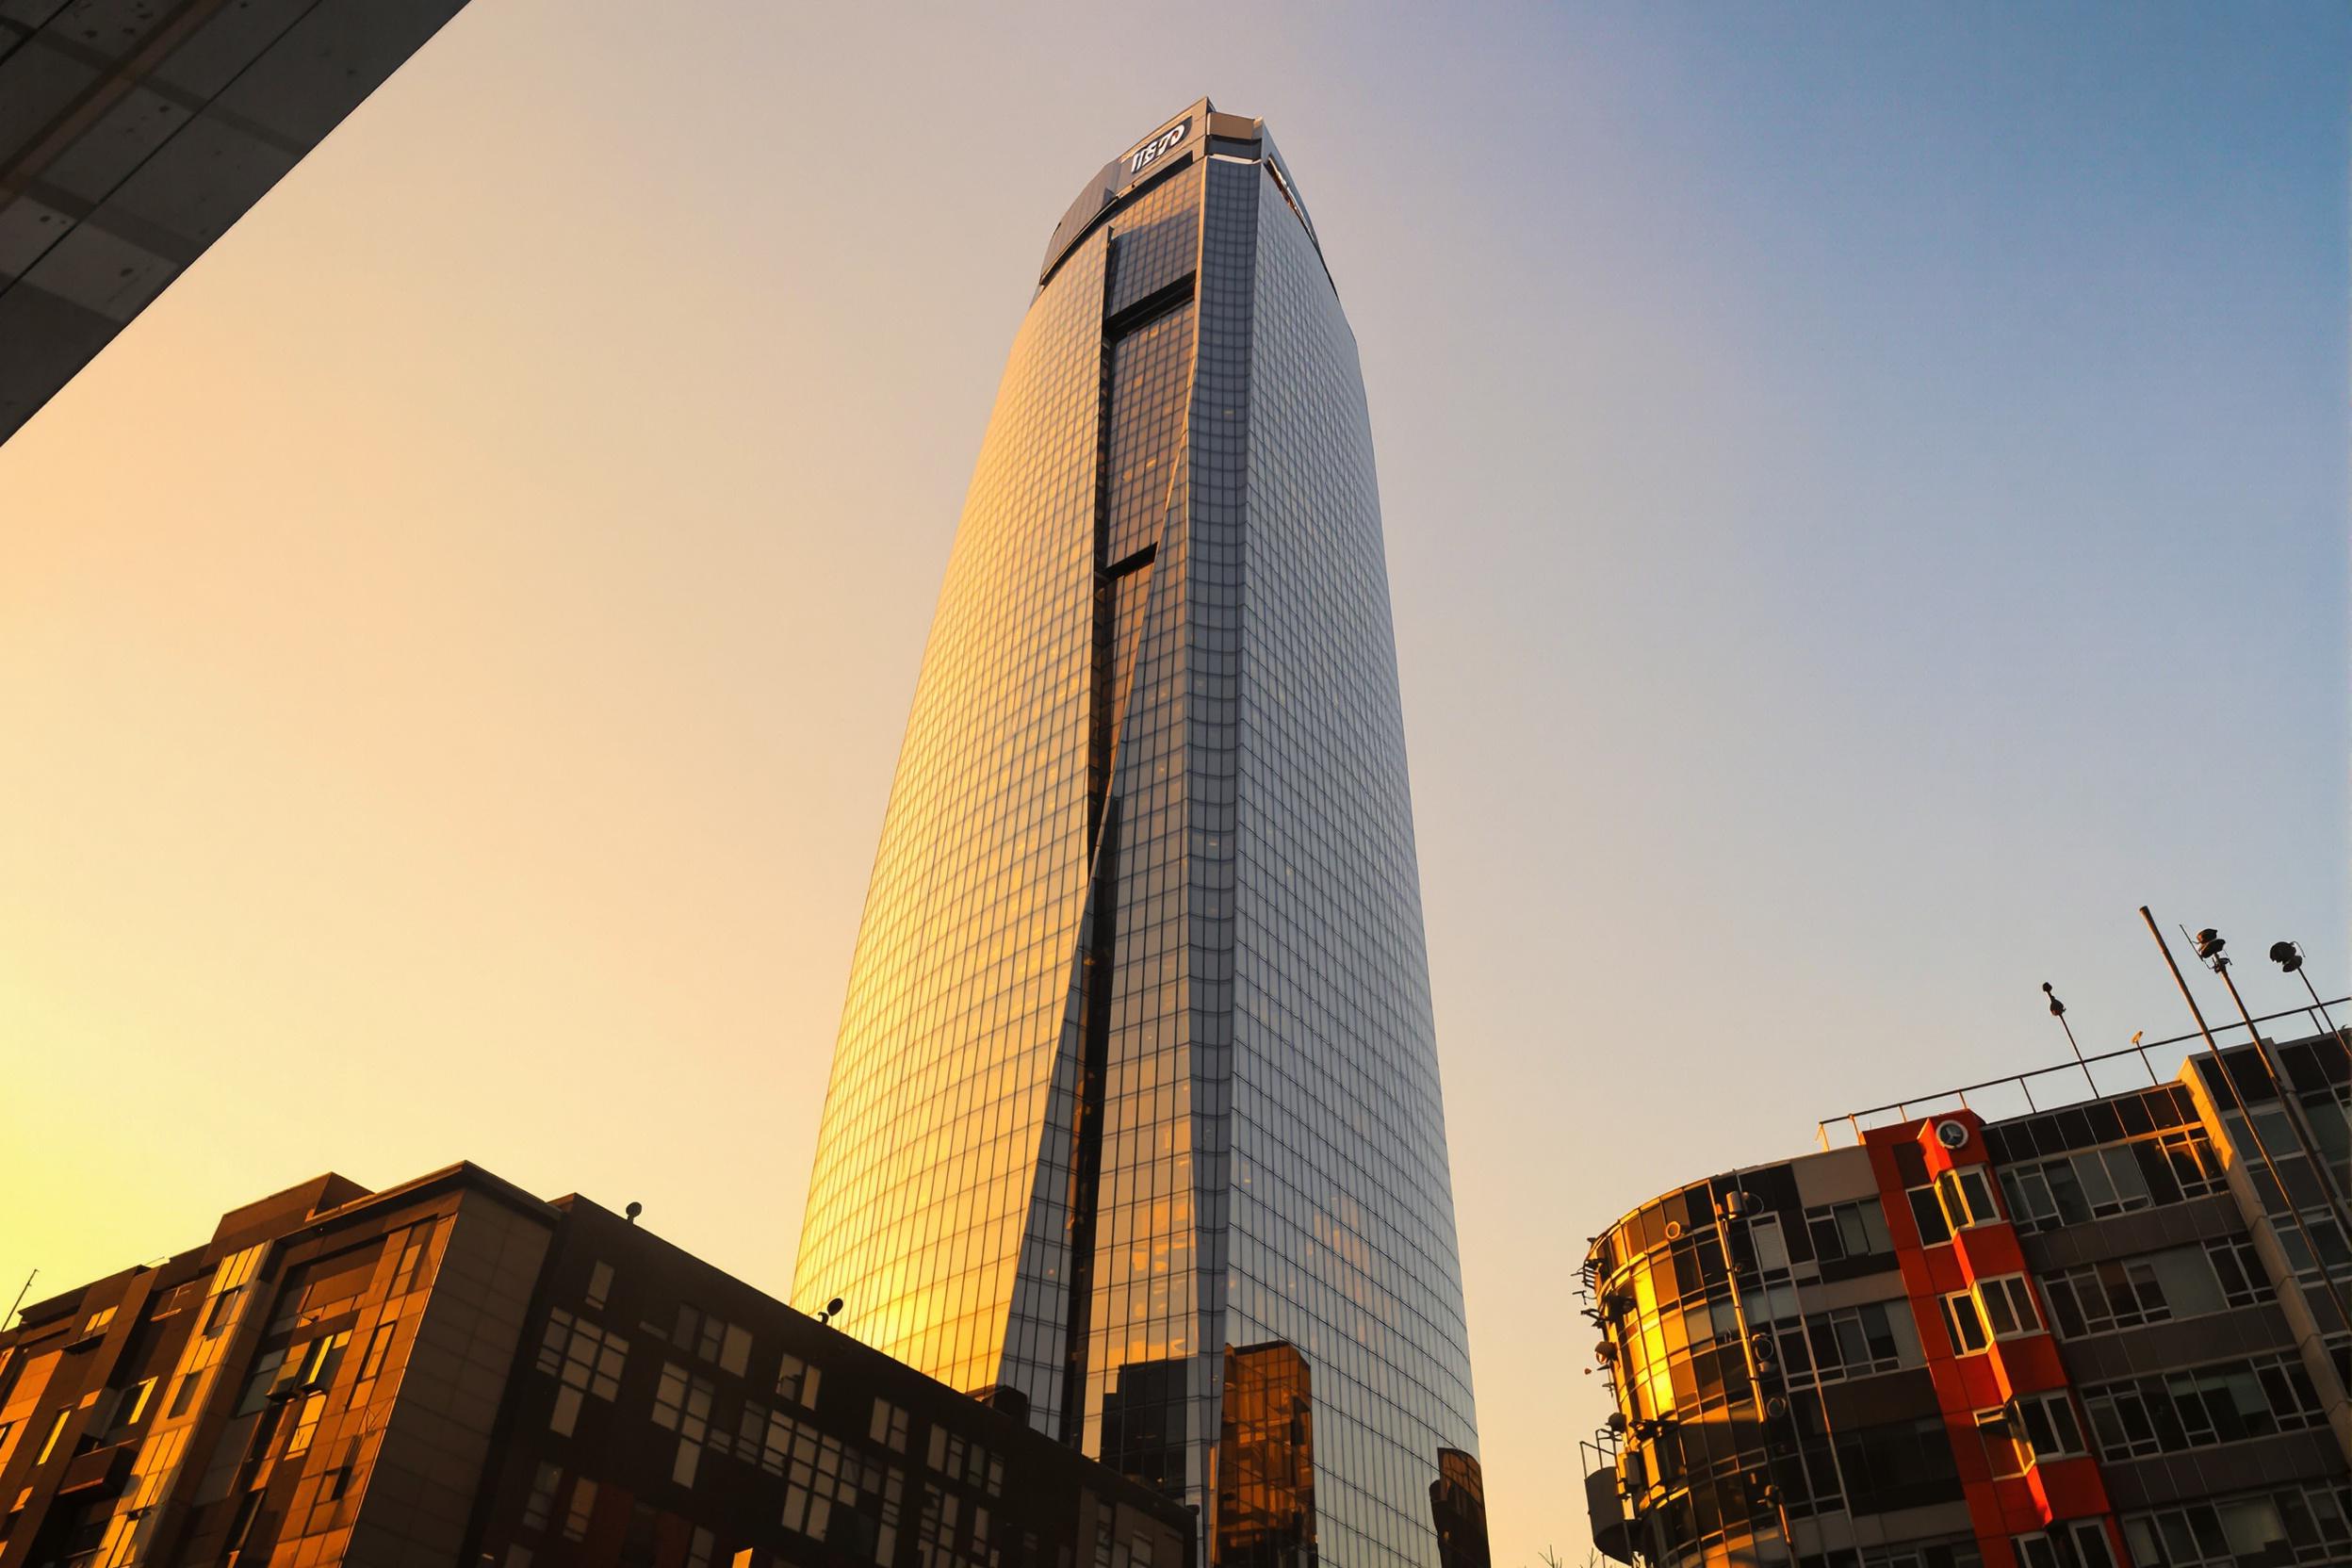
[[2244, 1281], [1841, 1231], [1928, 1212], [764, 1437], [540, 1506], [2008, 1303], [1965, 1194], [57, 1429], [2005, 1449], [410, 1272], [599, 1285], [2088, 1538], [132, 1404], [681, 1403], [2326, 1234], [584, 1507], [2117, 1178], [325, 1356], [242, 1523], [698, 1333], [305, 1425], [371, 1363], [98, 1320], [1963, 1322], [1853, 1342], [261, 1381], [1898, 1464], [968, 1463], [797, 1381], [888, 1426], [2154, 1287], [184, 1394], [2308, 1523], [2080, 1543], [849, 1502], [585, 1360], [2049, 1425], [2199, 1406], [1771, 1248], [1954, 1552], [712, 1339], [219, 1311]]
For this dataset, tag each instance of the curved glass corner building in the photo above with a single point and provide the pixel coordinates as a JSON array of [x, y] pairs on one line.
[[1135, 1111]]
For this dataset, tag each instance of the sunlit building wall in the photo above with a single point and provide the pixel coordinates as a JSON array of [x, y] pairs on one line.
[[2088, 1335], [1137, 1060]]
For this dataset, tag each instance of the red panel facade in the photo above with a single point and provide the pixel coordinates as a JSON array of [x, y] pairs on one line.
[[2050, 1491]]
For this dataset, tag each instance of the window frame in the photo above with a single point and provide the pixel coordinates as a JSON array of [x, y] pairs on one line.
[[2026, 1407], [1964, 1298], [2014, 1288], [1961, 1186]]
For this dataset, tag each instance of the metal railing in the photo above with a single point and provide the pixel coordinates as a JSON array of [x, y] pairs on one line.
[[2087, 1086]]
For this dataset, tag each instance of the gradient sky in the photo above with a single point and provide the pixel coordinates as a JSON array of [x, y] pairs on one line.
[[1866, 498]]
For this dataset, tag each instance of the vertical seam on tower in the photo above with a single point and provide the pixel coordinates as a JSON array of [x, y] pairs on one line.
[[1101, 922]]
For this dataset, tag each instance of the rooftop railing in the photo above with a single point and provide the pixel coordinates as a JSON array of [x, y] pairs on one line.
[[1998, 1099]]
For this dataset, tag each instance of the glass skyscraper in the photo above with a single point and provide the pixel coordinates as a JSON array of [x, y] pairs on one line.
[[1135, 1112]]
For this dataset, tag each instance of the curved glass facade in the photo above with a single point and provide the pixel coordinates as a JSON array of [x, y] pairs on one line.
[[1137, 1063]]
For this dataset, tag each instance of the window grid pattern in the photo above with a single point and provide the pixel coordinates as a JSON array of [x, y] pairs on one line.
[[928, 1154], [2119, 1178], [1145, 1306], [1343, 1235], [1851, 1342], [1954, 1552], [1204, 1010], [2156, 1288], [585, 1360], [2272, 1528], [1854, 1229], [2198, 1406]]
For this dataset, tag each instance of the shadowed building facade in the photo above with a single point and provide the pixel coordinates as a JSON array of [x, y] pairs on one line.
[[454, 1371], [1138, 1061], [134, 132]]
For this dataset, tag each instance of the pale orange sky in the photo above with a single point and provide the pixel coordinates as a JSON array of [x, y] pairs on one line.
[[1865, 503]]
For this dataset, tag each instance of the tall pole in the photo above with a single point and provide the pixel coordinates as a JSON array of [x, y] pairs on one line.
[[20, 1297], [2297, 1122], [2058, 1011], [1724, 1213], [2325, 1017], [2289, 956], [2254, 1133]]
